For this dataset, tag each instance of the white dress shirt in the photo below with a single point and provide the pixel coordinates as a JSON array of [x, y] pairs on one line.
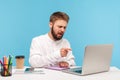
[[46, 52]]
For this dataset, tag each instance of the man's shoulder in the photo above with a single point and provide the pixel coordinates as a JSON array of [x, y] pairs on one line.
[[40, 37]]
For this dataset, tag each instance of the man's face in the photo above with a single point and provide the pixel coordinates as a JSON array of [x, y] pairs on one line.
[[58, 28]]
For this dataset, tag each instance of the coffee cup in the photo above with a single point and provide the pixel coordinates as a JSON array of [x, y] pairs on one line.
[[20, 61]]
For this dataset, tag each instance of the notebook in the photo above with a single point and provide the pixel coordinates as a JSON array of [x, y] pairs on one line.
[[97, 59], [55, 68]]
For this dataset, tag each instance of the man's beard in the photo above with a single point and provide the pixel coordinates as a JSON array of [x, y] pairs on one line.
[[55, 35]]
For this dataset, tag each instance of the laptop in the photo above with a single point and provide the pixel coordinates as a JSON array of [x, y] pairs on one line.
[[97, 59]]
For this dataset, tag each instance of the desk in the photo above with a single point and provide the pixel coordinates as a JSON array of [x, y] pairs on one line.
[[113, 74]]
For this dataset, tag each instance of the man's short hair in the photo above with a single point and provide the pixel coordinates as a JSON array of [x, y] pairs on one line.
[[59, 16]]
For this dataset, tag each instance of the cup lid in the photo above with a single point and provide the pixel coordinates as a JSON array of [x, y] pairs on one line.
[[20, 56]]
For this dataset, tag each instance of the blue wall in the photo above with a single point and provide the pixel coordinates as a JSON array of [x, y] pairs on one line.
[[91, 22]]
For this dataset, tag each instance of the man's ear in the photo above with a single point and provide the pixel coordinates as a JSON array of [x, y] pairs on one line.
[[50, 24]]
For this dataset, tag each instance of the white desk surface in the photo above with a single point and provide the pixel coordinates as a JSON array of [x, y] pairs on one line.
[[113, 74]]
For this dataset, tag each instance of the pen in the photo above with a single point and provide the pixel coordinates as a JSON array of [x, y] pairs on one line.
[[5, 64], [1, 62], [9, 61]]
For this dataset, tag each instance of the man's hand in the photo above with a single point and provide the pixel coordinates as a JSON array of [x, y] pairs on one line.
[[64, 51], [63, 64]]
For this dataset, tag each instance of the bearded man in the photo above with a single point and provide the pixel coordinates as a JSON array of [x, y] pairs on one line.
[[51, 49]]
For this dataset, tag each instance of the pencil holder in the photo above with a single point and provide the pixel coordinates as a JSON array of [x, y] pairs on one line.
[[6, 70]]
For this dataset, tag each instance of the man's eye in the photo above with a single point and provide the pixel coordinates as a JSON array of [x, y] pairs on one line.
[[64, 27], [60, 26]]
